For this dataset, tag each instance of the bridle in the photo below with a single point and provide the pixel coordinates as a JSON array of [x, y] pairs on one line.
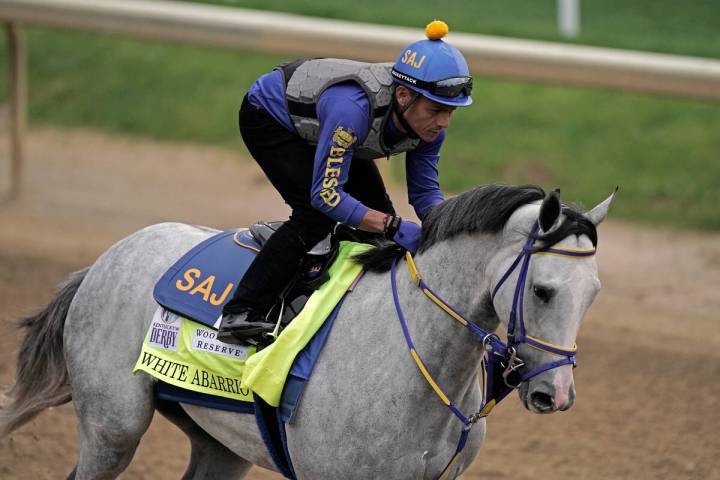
[[501, 372], [516, 318]]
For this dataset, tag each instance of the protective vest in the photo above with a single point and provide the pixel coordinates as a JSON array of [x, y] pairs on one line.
[[306, 79]]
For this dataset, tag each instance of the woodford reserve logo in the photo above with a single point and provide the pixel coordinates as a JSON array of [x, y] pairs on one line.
[[205, 340]]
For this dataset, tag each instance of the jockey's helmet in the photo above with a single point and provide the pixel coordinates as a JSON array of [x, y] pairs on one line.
[[435, 69]]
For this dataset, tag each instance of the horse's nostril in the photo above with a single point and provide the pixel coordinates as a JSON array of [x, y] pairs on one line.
[[542, 401]]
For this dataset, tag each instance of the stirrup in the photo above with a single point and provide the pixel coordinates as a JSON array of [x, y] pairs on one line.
[[252, 337], [240, 330]]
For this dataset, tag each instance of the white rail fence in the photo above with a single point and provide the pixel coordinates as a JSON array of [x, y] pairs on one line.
[[236, 28]]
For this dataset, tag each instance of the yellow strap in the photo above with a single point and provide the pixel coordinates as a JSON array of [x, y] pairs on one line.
[[444, 473], [414, 273], [442, 305], [429, 379], [570, 250], [487, 408], [551, 345]]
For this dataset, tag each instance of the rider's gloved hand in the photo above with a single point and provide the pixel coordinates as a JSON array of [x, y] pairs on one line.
[[403, 232]]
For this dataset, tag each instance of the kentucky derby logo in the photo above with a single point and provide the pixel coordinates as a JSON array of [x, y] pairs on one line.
[[162, 334], [168, 317]]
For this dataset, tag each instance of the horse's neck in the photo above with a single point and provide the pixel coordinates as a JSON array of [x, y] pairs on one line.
[[455, 271]]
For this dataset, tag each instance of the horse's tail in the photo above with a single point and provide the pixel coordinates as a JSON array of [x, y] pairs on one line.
[[41, 379]]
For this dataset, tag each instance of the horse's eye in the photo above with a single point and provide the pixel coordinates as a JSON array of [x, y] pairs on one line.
[[543, 293]]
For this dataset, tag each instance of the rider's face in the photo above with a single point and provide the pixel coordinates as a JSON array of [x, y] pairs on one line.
[[425, 117]]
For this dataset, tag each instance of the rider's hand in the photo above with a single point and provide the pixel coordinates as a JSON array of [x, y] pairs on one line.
[[405, 233]]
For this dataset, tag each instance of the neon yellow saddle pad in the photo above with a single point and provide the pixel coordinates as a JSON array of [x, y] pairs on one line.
[[187, 354]]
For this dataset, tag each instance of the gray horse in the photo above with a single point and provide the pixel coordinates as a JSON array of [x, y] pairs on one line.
[[367, 411]]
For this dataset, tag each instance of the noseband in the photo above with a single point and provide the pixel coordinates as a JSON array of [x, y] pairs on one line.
[[501, 364]]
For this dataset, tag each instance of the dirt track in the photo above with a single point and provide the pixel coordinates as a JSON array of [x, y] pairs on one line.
[[647, 385]]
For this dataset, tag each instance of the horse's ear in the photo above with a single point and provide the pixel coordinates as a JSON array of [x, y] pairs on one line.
[[550, 210], [598, 214]]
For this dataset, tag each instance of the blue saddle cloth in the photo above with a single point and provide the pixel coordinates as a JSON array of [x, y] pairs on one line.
[[197, 286], [205, 278]]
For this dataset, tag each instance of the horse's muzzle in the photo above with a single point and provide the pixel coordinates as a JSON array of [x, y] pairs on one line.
[[548, 394]]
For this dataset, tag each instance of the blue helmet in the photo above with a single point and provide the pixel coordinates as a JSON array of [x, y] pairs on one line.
[[435, 69]]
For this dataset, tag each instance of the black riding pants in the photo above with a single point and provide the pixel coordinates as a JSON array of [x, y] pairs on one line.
[[287, 160]]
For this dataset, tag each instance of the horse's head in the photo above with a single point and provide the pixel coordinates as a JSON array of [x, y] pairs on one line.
[[528, 262], [543, 293]]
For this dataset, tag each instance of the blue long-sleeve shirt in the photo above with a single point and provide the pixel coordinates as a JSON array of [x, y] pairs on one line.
[[343, 112]]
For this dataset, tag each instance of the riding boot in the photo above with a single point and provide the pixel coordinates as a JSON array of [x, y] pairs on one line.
[[244, 316]]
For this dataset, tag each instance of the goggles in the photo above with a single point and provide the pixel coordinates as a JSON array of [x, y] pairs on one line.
[[448, 87]]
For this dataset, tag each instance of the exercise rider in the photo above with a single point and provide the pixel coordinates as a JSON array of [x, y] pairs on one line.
[[315, 127]]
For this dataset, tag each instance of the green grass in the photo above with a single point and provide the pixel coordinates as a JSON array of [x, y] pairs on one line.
[[148, 88], [663, 152], [690, 27]]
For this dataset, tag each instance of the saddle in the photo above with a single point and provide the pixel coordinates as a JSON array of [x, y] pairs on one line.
[[312, 273], [205, 278], [313, 270]]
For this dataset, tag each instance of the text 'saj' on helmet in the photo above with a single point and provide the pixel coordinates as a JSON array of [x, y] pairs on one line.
[[435, 69]]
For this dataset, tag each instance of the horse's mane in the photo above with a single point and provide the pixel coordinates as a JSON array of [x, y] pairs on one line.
[[483, 209]]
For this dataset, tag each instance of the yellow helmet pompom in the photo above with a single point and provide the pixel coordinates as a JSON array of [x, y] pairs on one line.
[[436, 30]]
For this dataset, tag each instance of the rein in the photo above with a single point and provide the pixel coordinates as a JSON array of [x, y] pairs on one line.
[[500, 362]]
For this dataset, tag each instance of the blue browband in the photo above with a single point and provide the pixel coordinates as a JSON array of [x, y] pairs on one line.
[[501, 365]]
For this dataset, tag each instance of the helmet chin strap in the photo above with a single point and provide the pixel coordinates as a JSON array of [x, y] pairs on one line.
[[400, 114]]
